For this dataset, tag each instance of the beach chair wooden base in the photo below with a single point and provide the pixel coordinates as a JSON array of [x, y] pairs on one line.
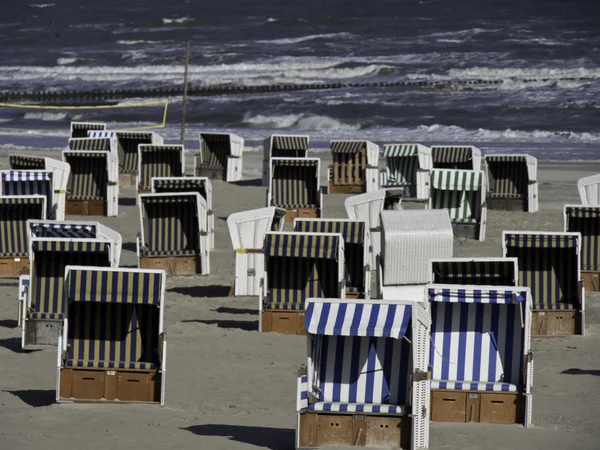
[[355, 295], [144, 191], [466, 230], [283, 322], [86, 207], [308, 213], [591, 280], [173, 265], [127, 179], [213, 174], [320, 429], [13, 267], [556, 323], [477, 406], [507, 204], [41, 333], [79, 384], [346, 188]]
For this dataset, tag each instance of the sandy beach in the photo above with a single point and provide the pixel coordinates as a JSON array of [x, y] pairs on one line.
[[230, 387]]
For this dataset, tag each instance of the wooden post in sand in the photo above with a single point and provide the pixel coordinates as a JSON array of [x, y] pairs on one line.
[[185, 80]]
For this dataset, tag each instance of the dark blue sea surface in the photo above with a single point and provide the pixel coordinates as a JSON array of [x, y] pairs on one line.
[[545, 56]]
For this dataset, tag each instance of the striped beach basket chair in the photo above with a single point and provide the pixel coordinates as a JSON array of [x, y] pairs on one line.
[[282, 146], [113, 345], [158, 161], [464, 157], [475, 271], [354, 168], [463, 194], [357, 250], [45, 310], [294, 186], [29, 182], [220, 157], [481, 359], [366, 380], [93, 188], [586, 220], [80, 129], [408, 167], [512, 182], [298, 266], [247, 231], [589, 190], [173, 233], [550, 265], [14, 248], [202, 185], [129, 142]]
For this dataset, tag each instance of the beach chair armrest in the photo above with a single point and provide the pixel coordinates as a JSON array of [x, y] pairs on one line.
[[302, 389], [162, 347]]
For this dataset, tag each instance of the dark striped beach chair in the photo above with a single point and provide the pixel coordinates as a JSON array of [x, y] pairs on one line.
[[220, 157], [158, 161], [26, 162], [408, 168], [354, 168], [475, 271], [481, 360], [14, 248], [512, 182], [357, 246], [173, 233], [586, 220], [114, 345], [589, 190], [43, 317], [129, 141], [549, 264], [108, 143], [282, 146], [463, 194], [93, 189], [298, 266], [464, 157], [366, 380], [30, 182], [80, 129], [294, 186]]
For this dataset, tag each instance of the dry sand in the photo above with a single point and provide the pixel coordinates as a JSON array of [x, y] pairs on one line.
[[229, 387]]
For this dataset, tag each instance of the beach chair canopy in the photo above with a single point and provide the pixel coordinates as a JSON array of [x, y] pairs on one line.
[[589, 190], [403, 161], [295, 183], [301, 265], [80, 129], [291, 146], [202, 185], [26, 162], [66, 230], [14, 213], [459, 192], [109, 143], [348, 148], [510, 175], [479, 337], [30, 182], [127, 304], [585, 220], [247, 229], [475, 271], [548, 265], [159, 161], [456, 157], [89, 175]]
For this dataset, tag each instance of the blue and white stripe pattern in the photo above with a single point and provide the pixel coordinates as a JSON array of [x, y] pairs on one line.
[[62, 230], [16, 182], [97, 134], [477, 339]]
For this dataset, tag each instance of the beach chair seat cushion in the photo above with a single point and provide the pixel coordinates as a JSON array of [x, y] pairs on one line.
[[473, 386], [359, 407], [297, 205], [110, 364], [46, 316], [23, 254], [352, 289], [506, 195], [84, 197], [465, 221]]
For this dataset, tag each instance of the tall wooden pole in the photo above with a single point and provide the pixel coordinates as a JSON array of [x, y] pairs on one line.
[[185, 85]]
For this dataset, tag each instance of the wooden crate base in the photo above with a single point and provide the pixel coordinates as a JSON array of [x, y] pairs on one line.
[[556, 323], [477, 406], [466, 230], [283, 322], [85, 207], [308, 213], [13, 267], [355, 295], [127, 179], [80, 384], [507, 204], [591, 280], [173, 265], [346, 189], [320, 429]]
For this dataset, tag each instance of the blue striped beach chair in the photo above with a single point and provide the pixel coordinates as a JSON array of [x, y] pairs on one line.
[[355, 166], [357, 247], [45, 309], [113, 347], [29, 182], [158, 161], [298, 266], [80, 129], [366, 380], [589, 190], [282, 146], [586, 220], [463, 194], [14, 213], [294, 186], [220, 156], [475, 271], [550, 265], [407, 168], [481, 361], [173, 233], [463, 157], [512, 182]]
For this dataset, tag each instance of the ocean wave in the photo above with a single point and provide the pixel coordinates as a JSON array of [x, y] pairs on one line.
[[508, 73], [62, 61], [42, 5], [285, 41], [125, 42], [50, 116], [178, 20], [302, 122]]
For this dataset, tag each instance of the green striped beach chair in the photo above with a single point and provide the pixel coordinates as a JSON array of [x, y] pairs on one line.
[[220, 157], [586, 220], [464, 157], [512, 182], [408, 167], [550, 265], [282, 146], [113, 347], [463, 194], [158, 161]]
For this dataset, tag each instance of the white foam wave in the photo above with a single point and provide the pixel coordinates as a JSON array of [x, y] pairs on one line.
[[50, 116], [43, 5], [494, 73], [272, 19], [176, 20], [62, 61], [125, 42], [303, 122], [297, 40]]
